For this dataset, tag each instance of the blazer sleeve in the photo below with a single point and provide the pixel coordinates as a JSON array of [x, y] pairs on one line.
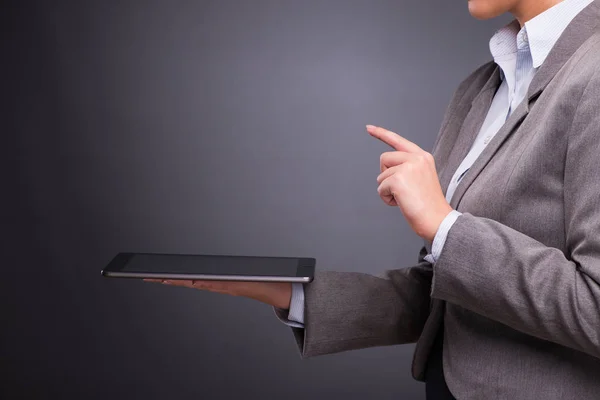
[[505, 275], [348, 310]]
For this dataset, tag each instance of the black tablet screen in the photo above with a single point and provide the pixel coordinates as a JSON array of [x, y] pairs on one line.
[[206, 264]]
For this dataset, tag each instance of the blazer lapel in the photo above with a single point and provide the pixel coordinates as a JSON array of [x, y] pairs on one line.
[[484, 158], [471, 125], [580, 29]]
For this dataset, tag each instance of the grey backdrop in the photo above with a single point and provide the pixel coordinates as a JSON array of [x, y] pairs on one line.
[[232, 127]]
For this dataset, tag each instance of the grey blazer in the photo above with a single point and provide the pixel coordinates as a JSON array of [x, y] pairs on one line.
[[518, 281]]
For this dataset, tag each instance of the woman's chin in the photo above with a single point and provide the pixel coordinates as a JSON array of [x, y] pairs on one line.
[[481, 9]]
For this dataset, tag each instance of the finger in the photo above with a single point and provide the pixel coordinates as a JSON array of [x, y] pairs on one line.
[[215, 286], [393, 139], [153, 280], [202, 284], [387, 173], [392, 158], [179, 282], [386, 193]]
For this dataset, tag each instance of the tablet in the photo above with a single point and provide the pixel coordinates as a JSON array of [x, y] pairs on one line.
[[210, 267]]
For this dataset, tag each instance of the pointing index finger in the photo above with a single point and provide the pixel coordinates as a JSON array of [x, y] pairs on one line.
[[393, 139]]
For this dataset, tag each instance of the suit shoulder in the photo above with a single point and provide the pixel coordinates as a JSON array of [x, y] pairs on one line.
[[589, 54], [582, 78]]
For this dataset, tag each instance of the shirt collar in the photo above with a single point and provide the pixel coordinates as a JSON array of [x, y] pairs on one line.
[[545, 29], [540, 33]]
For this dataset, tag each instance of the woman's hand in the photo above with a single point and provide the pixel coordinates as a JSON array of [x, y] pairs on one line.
[[409, 181], [277, 294]]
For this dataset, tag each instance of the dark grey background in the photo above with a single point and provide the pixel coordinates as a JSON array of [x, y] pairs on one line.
[[232, 127]]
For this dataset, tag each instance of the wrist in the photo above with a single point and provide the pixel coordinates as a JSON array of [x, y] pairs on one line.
[[282, 295], [276, 294], [436, 221]]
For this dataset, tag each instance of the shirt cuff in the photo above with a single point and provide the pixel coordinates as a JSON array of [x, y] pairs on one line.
[[442, 234], [295, 315]]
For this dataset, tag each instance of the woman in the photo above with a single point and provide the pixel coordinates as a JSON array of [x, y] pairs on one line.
[[504, 299]]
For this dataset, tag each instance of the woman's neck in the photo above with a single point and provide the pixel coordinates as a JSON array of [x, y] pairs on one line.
[[525, 10]]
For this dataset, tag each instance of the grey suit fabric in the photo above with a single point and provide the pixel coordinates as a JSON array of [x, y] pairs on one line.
[[518, 281]]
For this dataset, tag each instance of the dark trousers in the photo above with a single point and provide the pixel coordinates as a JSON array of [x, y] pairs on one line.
[[435, 384]]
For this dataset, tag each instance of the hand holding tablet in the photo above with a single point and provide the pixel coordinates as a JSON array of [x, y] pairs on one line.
[[277, 294], [266, 279]]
